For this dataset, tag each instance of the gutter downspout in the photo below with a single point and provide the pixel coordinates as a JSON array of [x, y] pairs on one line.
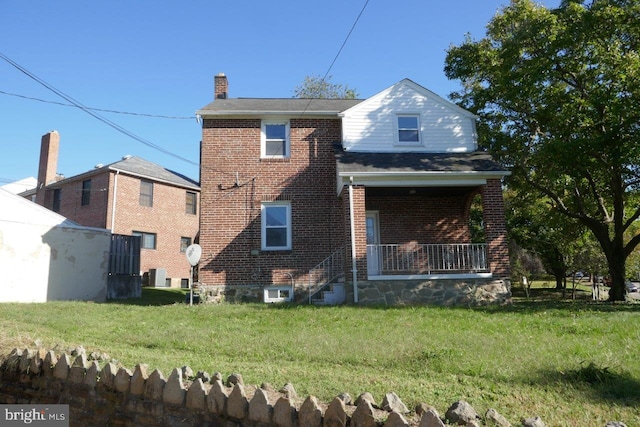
[[113, 205], [354, 270]]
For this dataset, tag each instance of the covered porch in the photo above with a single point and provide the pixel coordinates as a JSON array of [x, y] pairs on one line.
[[409, 232]]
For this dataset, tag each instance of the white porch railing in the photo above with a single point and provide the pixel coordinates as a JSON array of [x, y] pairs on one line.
[[325, 272], [427, 259]]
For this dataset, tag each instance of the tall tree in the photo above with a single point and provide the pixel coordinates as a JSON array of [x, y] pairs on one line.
[[558, 91], [534, 227], [318, 87]]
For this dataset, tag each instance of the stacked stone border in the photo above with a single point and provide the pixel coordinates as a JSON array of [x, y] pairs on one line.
[[114, 395]]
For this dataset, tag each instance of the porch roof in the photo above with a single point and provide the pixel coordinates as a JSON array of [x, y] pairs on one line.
[[417, 169]]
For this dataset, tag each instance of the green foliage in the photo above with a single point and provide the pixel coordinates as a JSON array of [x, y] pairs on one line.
[[557, 92], [316, 87]]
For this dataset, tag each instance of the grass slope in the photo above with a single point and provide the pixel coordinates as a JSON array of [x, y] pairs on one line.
[[572, 362]]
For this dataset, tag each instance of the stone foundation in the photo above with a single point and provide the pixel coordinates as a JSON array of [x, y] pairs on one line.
[[445, 292]]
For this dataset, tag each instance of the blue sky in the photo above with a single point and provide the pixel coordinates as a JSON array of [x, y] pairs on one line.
[[159, 58]]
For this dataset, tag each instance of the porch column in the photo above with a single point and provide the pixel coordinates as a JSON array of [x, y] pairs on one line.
[[360, 225], [495, 229]]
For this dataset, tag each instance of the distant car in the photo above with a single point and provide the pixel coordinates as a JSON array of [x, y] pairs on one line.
[[632, 286]]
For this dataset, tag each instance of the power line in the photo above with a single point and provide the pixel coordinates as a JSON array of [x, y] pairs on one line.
[[346, 39], [98, 109], [106, 121], [92, 113], [335, 58]]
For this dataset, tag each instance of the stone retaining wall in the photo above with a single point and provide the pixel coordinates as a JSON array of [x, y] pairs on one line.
[[117, 396], [114, 395], [447, 292]]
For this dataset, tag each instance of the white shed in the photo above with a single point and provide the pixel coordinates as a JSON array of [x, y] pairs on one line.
[[46, 257]]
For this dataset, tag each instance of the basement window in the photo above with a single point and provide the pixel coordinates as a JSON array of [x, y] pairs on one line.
[[278, 294]]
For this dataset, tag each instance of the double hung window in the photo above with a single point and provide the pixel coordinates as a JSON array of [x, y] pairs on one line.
[[275, 140], [408, 129], [276, 226], [146, 193], [191, 203]]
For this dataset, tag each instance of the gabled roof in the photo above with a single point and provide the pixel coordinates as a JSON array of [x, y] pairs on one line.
[[284, 106], [415, 87], [139, 167]]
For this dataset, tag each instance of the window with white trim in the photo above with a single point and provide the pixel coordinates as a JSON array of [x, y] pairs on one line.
[[408, 129], [276, 226], [275, 140]]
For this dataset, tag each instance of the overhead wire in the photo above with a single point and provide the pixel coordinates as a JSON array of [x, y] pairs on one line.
[[93, 113], [335, 58], [98, 109]]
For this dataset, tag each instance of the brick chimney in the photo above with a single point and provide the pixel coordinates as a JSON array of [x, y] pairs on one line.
[[47, 170], [221, 86]]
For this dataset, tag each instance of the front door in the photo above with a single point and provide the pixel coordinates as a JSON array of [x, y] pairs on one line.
[[373, 242]]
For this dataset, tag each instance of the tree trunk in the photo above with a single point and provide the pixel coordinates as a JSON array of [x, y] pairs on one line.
[[559, 274], [618, 290]]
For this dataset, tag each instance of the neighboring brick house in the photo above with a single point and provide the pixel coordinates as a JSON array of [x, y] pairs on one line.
[[366, 201], [132, 197]]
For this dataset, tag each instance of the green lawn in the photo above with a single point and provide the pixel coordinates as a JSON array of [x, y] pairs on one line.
[[572, 362]]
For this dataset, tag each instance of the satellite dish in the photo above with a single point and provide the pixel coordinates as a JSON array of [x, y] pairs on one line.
[[194, 252]]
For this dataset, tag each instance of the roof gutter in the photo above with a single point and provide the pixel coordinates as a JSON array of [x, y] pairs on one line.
[[417, 179], [209, 113]]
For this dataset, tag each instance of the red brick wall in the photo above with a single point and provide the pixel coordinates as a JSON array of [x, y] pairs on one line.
[[48, 164], [167, 218], [360, 228], [235, 181], [91, 215], [495, 228], [422, 219]]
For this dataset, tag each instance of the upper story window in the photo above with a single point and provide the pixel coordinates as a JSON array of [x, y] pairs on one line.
[[146, 193], [86, 192], [185, 242], [57, 198], [191, 204], [276, 226], [408, 129], [275, 140]]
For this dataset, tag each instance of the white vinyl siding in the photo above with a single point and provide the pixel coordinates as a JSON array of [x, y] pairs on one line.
[[373, 124]]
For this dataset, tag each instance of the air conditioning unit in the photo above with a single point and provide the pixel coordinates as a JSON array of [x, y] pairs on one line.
[[158, 277]]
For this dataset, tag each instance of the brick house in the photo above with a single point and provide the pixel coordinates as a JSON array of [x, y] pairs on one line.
[[366, 201], [132, 197]]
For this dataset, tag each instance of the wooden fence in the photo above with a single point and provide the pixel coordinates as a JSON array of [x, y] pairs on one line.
[[124, 267]]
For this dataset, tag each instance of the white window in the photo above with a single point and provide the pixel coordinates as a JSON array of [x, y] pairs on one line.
[[275, 140], [276, 226], [278, 294], [408, 129]]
